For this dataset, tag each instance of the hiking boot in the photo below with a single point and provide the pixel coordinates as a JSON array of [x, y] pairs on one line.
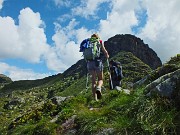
[[118, 88], [98, 92]]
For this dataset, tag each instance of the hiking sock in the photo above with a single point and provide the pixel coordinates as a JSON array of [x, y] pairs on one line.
[[98, 92]]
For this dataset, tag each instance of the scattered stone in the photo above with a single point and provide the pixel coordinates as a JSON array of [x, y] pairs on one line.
[[58, 100], [126, 91], [54, 119], [106, 131], [69, 124]]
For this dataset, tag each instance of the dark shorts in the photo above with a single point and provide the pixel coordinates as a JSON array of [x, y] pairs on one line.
[[95, 65]]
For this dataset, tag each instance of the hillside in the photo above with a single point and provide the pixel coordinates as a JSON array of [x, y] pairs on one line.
[[60, 104]]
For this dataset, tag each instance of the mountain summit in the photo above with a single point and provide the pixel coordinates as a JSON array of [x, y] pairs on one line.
[[136, 46]]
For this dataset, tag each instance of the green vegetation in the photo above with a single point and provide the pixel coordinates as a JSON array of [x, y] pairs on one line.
[[60, 104], [123, 114]]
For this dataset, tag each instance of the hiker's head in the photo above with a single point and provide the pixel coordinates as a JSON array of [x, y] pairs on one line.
[[95, 36]]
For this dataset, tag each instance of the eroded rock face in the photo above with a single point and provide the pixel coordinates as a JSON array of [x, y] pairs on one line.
[[130, 43], [13, 103], [58, 100], [4, 79], [167, 85]]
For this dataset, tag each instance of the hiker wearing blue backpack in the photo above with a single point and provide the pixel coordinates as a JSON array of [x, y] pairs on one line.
[[91, 49]]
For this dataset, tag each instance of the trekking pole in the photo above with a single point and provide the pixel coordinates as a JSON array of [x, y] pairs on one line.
[[110, 75], [87, 82]]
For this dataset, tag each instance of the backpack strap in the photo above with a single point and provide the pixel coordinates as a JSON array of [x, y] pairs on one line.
[[100, 41]]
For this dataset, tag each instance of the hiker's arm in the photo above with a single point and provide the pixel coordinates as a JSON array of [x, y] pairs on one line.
[[105, 51]]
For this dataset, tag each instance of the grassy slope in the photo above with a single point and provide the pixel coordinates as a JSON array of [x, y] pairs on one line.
[[124, 113]]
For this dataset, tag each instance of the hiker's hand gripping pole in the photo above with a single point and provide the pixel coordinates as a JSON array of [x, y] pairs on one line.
[[111, 87]]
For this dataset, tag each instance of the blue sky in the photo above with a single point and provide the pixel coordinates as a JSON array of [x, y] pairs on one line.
[[39, 38]]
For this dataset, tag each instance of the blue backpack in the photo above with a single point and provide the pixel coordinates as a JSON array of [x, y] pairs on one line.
[[90, 48]]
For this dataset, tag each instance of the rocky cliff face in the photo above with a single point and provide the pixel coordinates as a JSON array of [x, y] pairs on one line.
[[130, 43], [4, 79]]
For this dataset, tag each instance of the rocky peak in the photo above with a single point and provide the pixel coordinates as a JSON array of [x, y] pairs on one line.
[[4, 79], [130, 43]]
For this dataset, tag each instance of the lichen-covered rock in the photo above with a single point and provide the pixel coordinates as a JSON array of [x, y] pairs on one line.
[[13, 103], [165, 85], [107, 131], [58, 100]]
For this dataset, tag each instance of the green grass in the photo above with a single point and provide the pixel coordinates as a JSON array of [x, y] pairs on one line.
[[117, 112], [124, 114]]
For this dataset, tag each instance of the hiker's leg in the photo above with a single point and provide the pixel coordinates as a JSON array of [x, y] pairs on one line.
[[100, 79], [93, 73], [99, 71]]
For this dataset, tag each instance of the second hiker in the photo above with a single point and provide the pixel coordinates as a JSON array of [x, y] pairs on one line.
[[116, 74], [91, 49]]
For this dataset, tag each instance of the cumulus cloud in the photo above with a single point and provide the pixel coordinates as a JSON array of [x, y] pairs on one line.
[[162, 29], [88, 8], [20, 74], [1, 4], [59, 3], [120, 19], [65, 46], [26, 40]]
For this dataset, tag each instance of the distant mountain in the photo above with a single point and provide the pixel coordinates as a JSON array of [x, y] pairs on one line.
[[4, 79], [136, 46]]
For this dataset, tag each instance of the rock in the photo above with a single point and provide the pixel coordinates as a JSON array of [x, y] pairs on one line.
[[70, 132], [140, 82], [58, 100], [14, 103], [68, 126], [4, 79], [106, 131], [126, 91], [136, 46], [165, 85], [54, 119]]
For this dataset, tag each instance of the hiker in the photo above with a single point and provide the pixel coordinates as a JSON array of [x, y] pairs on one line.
[[91, 49], [116, 74]]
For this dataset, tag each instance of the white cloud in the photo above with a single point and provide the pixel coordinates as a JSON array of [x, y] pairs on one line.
[[1, 4], [162, 29], [64, 18], [88, 8], [26, 40], [120, 19], [20, 74], [64, 45], [59, 3]]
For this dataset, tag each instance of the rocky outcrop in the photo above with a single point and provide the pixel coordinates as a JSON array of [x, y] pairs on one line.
[[4, 79], [130, 43], [166, 86], [14, 103]]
